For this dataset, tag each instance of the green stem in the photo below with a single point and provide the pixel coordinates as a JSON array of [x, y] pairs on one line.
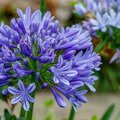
[[43, 6], [100, 46], [72, 114], [30, 112], [22, 113]]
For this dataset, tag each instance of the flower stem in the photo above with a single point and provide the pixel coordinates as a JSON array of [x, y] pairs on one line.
[[22, 113], [43, 7], [100, 46], [72, 114], [30, 112]]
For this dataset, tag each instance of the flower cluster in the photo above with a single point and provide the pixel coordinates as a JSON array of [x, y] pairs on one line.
[[105, 12], [34, 51], [103, 18]]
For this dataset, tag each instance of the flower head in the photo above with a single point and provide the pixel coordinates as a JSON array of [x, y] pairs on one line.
[[35, 47]]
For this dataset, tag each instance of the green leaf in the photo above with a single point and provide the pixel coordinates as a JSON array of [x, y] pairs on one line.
[[49, 103], [94, 117], [6, 114], [117, 116], [73, 3], [13, 117], [108, 112]]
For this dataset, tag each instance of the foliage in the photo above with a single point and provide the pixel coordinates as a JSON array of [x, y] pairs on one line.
[[8, 116]]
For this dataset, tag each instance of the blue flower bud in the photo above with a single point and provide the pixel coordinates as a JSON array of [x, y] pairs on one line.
[[37, 76], [5, 92], [25, 62], [60, 101], [25, 46], [45, 85]]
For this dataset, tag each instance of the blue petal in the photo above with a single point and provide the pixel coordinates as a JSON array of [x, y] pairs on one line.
[[30, 98], [60, 101], [26, 105], [21, 85], [90, 87], [14, 91], [16, 99], [31, 88]]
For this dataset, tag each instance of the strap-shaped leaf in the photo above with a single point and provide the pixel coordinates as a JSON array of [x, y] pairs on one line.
[[108, 112]]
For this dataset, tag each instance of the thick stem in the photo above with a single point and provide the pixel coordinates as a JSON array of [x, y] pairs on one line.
[[72, 114], [43, 7], [22, 113], [30, 112]]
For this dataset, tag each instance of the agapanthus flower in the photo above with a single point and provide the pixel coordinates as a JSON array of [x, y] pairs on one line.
[[34, 51], [23, 94], [105, 14], [100, 23]]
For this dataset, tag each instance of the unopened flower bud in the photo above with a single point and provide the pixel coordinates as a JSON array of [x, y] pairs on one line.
[[25, 62], [37, 76], [45, 85]]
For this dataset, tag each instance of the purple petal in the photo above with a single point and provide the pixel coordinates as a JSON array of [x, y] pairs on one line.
[[55, 79], [60, 61], [14, 91], [63, 80], [21, 85], [31, 88], [90, 87], [60, 101], [26, 105], [20, 13], [30, 98], [16, 99], [70, 72]]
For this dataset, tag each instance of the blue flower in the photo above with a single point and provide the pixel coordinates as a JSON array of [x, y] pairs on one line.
[[8, 55], [22, 94], [20, 71], [62, 59], [73, 39], [25, 46], [80, 9], [114, 18], [4, 77], [60, 101], [101, 22], [61, 70]]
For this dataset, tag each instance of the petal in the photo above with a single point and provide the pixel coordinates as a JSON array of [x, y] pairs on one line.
[[26, 105], [82, 98], [60, 101], [70, 72], [16, 99], [31, 88], [30, 98], [21, 85], [63, 80], [90, 87], [20, 13], [55, 79], [60, 61], [14, 91]]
